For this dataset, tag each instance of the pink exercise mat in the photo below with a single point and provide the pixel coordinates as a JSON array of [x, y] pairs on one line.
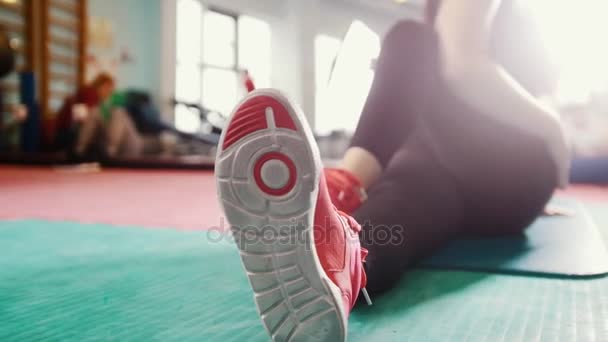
[[158, 199], [163, 199]]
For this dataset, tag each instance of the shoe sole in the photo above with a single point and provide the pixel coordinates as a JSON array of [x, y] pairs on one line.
[[267, 171]]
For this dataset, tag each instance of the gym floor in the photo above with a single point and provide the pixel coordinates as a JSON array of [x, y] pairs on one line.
[[128, 255]]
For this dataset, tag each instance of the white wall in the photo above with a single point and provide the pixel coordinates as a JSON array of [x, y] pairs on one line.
[[136, 27], [294, 25], [168, 58]]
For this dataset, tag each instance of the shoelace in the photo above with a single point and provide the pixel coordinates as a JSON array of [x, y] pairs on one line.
[[355, 227]]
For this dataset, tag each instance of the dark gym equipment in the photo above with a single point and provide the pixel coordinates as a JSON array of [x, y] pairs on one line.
[[30, 129], [148, 121], [204, 115]]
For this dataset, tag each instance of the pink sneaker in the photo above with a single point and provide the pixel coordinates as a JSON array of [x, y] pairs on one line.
[[345, 190], [302, 256]]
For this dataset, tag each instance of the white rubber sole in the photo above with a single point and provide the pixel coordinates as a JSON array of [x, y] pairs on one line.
[[274, 232]]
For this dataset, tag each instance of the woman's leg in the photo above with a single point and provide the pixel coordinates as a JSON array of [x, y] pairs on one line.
[[88, 131], [421, 204], [405, 73], [507, 176], [415, 209], [122, 135]]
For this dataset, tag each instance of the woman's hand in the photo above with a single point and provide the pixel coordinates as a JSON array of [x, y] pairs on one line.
[[19, 112], [80, 112]]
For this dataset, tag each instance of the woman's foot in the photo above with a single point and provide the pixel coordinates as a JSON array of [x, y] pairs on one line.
[[302, 257]]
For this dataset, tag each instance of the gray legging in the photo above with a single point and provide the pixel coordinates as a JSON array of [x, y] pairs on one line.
[[448, 170], [119, 134]]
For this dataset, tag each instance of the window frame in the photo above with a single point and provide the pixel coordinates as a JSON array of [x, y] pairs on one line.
[[236, 17], [201, 65]]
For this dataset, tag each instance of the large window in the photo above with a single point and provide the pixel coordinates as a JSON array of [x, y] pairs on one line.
[[213, 49], [572, 32], [344, 76], [326, 53]]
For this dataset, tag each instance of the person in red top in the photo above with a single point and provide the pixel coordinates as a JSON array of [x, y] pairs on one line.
[[75, 109], [91, 95]]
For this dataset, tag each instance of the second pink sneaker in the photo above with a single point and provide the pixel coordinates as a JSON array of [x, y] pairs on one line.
[[345, 190]]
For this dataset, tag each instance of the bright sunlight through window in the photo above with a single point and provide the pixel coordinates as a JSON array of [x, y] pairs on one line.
[[213, 48], [340, 102], [575, 32]]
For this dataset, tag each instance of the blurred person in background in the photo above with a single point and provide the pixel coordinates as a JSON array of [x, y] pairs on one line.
[[95, 119]]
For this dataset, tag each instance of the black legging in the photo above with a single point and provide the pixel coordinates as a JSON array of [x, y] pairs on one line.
[[448, 170]]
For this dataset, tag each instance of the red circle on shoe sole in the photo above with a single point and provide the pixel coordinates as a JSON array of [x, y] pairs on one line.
[[257, 173]]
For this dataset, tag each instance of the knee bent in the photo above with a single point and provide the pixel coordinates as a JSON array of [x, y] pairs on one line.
[[406, 32]]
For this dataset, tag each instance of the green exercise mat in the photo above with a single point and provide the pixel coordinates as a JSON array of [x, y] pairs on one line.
[[75, 282], [568, 246]]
